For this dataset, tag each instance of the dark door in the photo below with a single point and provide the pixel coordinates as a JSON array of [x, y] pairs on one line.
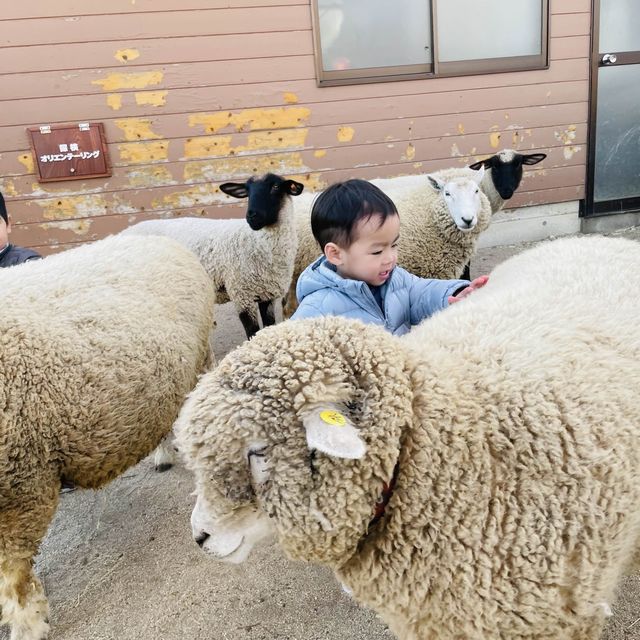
[[613, 184]]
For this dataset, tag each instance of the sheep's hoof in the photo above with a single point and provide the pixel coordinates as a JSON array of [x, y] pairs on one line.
[[164, 466]]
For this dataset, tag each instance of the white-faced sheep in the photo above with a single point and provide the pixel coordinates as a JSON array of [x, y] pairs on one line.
[[501, 179], [477, 478], [250, 263], [99, 346]]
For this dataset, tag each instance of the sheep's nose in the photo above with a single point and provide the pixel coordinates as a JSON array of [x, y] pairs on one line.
[[467, 221], [202, 538]]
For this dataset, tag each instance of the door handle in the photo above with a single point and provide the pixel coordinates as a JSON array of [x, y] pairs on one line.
[[609, 58]]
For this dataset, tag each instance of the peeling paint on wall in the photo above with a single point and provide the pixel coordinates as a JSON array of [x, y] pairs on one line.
[[8, 188], [251, 119], [79, 227], [494, 140], [73, 207], [567, 136], [127, 55], [119, 81], [455, 151], [150, 177], [151, 98], [345, 134], [220, 146], [136, 129], [144, 152], [114, 101], [320, 153], [204, 194], [311, 181], [410, 152], [461, 128], [27, 161], [290, 98], [226, 168], [569, 151]]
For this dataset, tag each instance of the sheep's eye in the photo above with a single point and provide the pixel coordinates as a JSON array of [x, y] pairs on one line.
[[477, 190], [447, 193], [275, 188]]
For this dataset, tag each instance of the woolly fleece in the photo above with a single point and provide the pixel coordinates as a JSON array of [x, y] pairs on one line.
[[514, 419], [245, 266], [99, 346]]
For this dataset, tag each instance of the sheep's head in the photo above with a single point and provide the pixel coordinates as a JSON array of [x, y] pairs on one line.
[[267, 196], [296, 431], [506, 169], [462, 197]]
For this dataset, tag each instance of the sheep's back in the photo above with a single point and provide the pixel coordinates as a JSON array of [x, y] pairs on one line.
[[524, 452], [99, 343]]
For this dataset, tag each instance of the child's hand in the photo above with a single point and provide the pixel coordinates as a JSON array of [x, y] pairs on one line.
[[478, 283]]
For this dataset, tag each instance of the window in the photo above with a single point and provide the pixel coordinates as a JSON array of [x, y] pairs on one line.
[[379, 40]]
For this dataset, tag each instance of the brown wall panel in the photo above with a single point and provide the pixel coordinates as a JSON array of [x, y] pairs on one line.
[[69, 8], [168, 24], [205, 91]]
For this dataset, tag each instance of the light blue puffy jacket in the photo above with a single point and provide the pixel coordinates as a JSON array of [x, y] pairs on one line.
[[407, 299]]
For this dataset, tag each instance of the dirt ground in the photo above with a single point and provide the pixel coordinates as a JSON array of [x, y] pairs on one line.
[[120, 564]]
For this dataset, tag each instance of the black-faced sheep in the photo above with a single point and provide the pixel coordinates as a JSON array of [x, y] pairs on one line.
[[478, 478], [504, 174], [250, 263], [99, 346]]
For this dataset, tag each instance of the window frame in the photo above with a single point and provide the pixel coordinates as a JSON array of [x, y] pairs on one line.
[[434, 69]]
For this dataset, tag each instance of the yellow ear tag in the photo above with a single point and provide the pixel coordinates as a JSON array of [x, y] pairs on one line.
[[334, 418]]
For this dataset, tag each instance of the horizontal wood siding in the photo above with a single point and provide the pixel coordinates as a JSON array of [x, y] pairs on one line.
[[213, 91]]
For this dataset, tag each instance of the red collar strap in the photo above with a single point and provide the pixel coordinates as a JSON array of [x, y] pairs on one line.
[[382, 502]]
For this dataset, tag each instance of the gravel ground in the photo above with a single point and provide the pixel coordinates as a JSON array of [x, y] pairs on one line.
[[119, 564]]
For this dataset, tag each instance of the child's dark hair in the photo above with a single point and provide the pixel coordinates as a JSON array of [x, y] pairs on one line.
[[338, 209], [3, 209]]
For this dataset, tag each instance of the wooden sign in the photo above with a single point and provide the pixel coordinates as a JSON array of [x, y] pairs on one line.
[[70, 151]]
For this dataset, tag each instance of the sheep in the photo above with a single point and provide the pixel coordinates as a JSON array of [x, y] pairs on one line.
[[248, 263], [440, 221], [504, 174], [477, 478], [99, 346], [501, 179]]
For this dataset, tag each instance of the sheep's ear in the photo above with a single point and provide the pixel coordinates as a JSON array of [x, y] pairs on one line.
[[533, 158], [478, 175], [436, 183], [235, 189], [330, 431], [293, 188], [481, 163]]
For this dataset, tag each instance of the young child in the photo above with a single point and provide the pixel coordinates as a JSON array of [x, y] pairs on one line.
[[357, 226], [11, 255]]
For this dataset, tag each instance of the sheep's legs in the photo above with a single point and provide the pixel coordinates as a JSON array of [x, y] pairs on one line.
[[23, 603], [267, 312], [249, 322]]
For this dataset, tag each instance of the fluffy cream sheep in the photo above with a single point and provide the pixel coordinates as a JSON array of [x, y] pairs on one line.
[[477, 478], [250, 262], [99, 346], [441, 217]]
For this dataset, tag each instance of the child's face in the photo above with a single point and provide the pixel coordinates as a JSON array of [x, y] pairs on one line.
[[5, 230], [374, 252]]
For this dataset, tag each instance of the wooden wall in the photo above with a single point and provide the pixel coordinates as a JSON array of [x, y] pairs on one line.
[[214, 91]]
